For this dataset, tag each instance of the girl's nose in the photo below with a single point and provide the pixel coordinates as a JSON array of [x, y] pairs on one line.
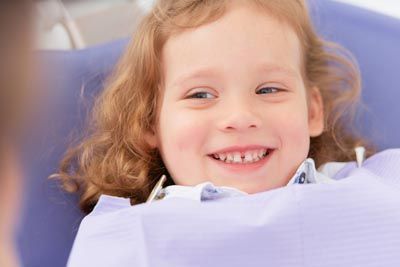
[[239, 116]]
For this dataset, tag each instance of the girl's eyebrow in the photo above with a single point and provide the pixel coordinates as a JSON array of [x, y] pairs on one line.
[[279, 69], [200, 73], [261, 68]]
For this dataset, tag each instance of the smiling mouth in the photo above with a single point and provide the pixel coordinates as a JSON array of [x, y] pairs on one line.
[[247, 157]]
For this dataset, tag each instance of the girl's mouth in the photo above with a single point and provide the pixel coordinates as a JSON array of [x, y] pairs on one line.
[[247, 157]]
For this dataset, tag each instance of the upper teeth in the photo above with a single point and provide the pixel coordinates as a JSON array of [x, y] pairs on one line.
[[242, 157]]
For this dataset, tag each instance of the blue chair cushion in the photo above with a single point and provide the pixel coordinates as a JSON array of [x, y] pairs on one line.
[[374, 40], [51, 217]]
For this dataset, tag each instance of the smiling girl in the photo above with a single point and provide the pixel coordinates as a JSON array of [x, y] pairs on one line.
[[236, 93], [234, 108]]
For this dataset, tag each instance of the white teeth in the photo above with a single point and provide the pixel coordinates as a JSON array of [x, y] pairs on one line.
[[248, 157], [237, 157], [229, 158], [242, 158]]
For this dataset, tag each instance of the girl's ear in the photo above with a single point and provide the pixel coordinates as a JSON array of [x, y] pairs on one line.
[[151, 139], [315, 113]]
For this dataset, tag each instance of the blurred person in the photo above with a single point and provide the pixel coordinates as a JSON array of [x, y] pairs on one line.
[[15, 74]]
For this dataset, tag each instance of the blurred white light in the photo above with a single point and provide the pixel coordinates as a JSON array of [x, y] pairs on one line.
[[388, 7], [146, 5]]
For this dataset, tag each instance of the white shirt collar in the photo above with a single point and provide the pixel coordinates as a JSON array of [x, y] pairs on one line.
[[306, 173]]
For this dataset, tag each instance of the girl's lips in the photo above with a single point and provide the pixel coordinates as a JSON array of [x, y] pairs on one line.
[[240, 149], [243, 167]]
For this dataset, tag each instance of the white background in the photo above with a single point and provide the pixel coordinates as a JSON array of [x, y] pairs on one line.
[[389, 7]]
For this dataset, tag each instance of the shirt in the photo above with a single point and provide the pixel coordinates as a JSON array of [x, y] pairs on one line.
[[306, 173]]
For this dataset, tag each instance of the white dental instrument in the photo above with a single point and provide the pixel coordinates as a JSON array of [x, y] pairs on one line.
[[156, 189], [360, 155]]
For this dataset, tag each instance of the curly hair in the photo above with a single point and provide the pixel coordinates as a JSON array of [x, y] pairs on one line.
[[115, 159]]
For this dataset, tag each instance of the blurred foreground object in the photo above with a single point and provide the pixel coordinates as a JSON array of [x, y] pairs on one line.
[[15, 79]]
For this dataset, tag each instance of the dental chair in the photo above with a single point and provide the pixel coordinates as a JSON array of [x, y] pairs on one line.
[[50, 217]]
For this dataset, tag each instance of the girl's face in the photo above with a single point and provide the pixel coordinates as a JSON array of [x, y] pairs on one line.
[[234, 109]]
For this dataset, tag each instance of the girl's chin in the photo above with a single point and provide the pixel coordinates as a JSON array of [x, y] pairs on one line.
[[252, 189]]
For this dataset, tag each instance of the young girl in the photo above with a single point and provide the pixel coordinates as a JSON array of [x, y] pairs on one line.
[[233, 101]]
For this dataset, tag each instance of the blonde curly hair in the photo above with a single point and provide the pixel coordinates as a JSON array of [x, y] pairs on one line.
[[115, 159]]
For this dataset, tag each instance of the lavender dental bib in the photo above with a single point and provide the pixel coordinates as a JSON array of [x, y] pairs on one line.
[[352, 222]]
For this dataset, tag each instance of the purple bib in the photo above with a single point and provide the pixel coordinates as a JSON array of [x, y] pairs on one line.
[[353, 222]]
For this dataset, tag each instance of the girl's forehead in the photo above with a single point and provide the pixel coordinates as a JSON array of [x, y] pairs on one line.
[[242, 36]]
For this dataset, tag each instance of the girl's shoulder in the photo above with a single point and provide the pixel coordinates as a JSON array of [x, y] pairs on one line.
[[386, 155], [384, 164]]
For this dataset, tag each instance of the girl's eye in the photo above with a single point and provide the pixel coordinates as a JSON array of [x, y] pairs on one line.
[[203, 95], [268, 90]]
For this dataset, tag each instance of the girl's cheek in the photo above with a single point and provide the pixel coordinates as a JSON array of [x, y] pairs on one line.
[[183, 138], [294, 126], [186, 129], [189, 136]]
